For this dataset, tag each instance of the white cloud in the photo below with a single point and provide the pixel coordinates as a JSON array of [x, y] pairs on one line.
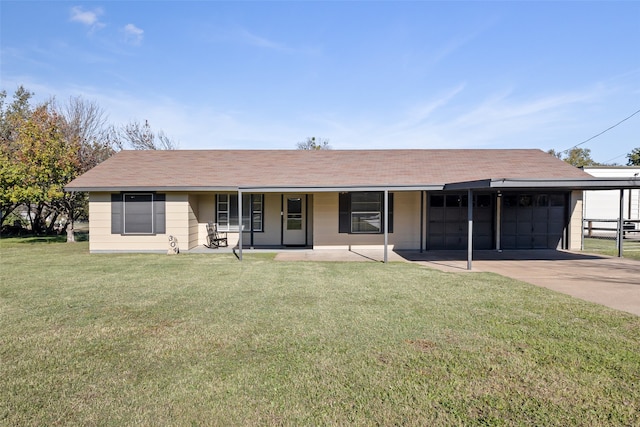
[[133, 35], [258, 41], [445, 120], [421, 113], [247, 37], [90, 18]]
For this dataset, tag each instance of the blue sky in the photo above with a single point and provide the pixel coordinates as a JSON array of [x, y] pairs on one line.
[[362, 74]]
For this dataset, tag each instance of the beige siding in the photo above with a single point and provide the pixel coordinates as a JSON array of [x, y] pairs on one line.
[[406, 224], [193, 221], [271, 227], [575, 221], [206, 213], [178, 212]]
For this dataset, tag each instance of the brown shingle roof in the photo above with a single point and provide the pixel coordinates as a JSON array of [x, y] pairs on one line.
[[325, 168]]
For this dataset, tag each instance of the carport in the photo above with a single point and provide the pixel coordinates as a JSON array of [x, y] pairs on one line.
[[503, 186]]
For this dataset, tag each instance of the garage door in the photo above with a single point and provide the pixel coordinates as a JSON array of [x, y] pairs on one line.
[[448, 221], [533, 220]]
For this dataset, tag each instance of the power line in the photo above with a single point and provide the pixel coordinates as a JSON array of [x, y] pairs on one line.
[[614, 158], [606, 130]]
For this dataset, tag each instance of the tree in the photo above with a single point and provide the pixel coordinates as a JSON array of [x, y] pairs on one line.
[[312, 144], [43, 148], [141, 137], [634, 157], [45, 162], [84, 124], [11, 117], [575, 156], [18, 110]]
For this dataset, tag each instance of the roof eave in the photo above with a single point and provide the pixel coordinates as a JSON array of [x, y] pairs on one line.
[[339, 188], [147, 188], [259, 189]]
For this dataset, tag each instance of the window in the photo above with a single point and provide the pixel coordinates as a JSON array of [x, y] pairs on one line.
[[137, 213], [227, 212], [363, 212], [437, 201], [366, 212], [294, 213]]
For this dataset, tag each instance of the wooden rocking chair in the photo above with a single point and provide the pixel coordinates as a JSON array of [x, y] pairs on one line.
[[215, 239]]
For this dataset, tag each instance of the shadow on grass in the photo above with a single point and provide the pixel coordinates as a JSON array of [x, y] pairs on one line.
[[32, 239]]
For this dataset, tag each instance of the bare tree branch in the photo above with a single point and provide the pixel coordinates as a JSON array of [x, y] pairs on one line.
[[312, 144], [142, 137]]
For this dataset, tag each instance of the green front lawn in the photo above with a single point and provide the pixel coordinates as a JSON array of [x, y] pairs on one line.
[[203, 339]]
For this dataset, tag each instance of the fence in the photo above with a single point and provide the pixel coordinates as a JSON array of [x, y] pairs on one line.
[[603, 235]]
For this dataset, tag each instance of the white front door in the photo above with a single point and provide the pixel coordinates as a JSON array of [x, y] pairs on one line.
[[295, 227]]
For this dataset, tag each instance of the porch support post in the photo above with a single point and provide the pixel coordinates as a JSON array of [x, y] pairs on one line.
[[251, 219], [621, 224], [498, 221], [470, 231], [239, 224], [421, 219], [386, 224]]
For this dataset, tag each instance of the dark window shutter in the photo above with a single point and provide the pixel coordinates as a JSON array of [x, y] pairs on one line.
[[390, 212], [343, 208], [116, 214], [159, 213]]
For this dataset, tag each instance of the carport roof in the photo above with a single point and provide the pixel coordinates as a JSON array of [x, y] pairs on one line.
[[559, 184], [324, 170]]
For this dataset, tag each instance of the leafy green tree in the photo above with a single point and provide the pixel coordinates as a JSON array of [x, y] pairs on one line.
[[45, 162], [313, 144], [577, 157], [11, 117], [14, 113], [634, 157]]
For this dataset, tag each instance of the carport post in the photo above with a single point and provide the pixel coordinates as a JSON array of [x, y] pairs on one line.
[[620, 223], [470, 233], [386, 223], [239, 224]]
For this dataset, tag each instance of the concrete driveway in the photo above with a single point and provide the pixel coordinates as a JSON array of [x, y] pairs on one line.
[[610, 281]]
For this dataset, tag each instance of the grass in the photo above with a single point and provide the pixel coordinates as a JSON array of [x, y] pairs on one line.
[[203, 339], [607, 246]]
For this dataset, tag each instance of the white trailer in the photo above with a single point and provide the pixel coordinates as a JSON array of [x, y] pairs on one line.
[[602, 207]]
